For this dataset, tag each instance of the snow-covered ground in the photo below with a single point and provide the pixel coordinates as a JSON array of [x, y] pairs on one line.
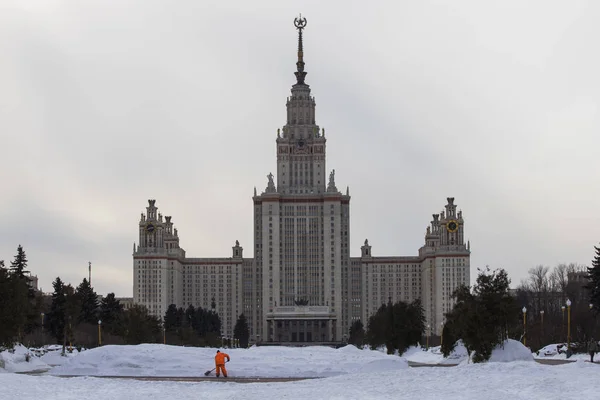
[[267, 361], [349, 374]]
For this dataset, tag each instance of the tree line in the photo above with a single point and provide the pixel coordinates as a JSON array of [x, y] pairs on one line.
[[75, 317], [550, 306], [556, 298], [397, 326], [538, 312]]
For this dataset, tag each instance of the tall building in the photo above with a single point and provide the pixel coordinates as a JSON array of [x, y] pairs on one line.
[[301, 284]]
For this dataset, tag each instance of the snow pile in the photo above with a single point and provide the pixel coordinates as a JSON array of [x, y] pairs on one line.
[[417, 354], [434, 355], [264, 361], [52, 355], [459, 353], [21, 359], [511, 350]]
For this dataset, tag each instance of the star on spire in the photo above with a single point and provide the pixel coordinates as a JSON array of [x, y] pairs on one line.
[[300, 24]]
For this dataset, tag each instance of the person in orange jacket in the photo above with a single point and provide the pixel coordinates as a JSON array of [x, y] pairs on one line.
[[220, 363]]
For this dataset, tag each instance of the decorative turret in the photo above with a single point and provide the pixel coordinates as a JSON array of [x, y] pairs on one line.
[[151, 210], [365, 250], [237, 250]]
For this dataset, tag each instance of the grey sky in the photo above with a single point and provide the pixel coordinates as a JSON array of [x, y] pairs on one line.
[[107, 104]]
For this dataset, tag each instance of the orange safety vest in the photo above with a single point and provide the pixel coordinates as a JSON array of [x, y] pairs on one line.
[[220, 358]]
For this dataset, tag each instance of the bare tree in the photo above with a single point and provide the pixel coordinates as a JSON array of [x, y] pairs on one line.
[[559, 278], [544, 294]]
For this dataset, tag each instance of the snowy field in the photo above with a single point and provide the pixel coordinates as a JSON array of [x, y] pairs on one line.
[[345, 373]]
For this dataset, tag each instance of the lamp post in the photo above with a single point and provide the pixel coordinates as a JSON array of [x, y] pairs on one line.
[[164, 334], [42, 338], [99, 332], [563, 322], [568, 324], [542, 328], [257, 337], [427, 347], [442, 335], [524, 326]]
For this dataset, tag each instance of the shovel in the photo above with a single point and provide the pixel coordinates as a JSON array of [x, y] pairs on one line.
[[207, 373]]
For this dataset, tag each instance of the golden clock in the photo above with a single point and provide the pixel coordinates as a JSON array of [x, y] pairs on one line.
[[452, 226]]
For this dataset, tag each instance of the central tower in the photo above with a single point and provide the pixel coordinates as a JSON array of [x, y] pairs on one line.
[[301, 145], [301, 231]]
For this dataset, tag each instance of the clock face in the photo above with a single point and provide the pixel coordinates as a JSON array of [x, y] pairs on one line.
[[150, 228], [452, 226]]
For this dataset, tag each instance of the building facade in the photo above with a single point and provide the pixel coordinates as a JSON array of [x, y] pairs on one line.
[[301, 285]]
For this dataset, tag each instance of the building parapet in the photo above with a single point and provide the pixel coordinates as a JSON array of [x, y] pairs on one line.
[[300, 312]]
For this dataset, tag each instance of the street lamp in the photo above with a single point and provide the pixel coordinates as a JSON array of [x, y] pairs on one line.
[[42, 338], [99, 333], [568, 324], [257, 337], [563, 322], [524, 326], [442, 334], [427, 347]]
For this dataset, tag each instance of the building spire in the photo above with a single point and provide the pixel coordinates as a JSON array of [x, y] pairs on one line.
[[300, 24]]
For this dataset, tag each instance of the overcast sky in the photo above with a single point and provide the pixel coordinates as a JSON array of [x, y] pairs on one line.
[[106, 104]]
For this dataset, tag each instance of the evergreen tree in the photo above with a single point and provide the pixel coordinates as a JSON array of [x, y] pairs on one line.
[[594, 284], [397, 326], [172, 321], [450, 339], [141, 327], [111, 314], [357, 333], [411, 324], [56, 318], [8, 315], [21, 303], [213, 324], [88, 300], [190, 317], [17, 267], [376, 328], [241, 331], [483, 317]]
